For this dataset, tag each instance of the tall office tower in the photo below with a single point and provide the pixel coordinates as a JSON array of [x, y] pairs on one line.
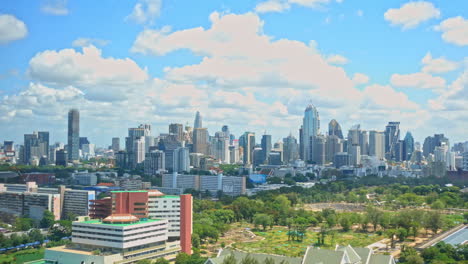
[[399, 151], [354, 155], [364, 142], [83, 141], [290, 149], [354, 134], [178, 130], [392, 136], [317, 149], [73, 135], [266, 147], [61, 157], [430, 143], [334, 145], [440, 153], [225, 130], [233, 154], [116, 144], [198, 121], [154, 162], [248, 145], [220, 147], [8, 146], [377, 144], [334, 129], [408, 146], [138, 150], [310, 128], [149, 142], [36, 146], [200, 140], [301, 144], [43, 143], [139, 132]]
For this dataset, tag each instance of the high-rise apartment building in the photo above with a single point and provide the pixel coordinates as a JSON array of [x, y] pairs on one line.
[[73, 135], [333, 145], [310, 128], [36, 146], [154, 162], [354, 155], [318, 149]]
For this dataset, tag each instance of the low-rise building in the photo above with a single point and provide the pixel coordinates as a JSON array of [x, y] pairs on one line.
[[116, 239]]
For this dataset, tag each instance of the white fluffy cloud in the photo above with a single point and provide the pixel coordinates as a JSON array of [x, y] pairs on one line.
[[437, 65], [84, 42], [384, 97], [145, 11], [11, 29], [454, 30], [55, 7], [411, 14], [104, 78], [418, 80], [272, 6], [337, 59], [360, 78], [282, 5]]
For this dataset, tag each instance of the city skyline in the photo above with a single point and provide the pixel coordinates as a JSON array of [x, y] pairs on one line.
[[255, 66]]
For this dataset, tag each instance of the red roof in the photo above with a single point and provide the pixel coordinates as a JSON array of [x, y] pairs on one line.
[[108, 184]]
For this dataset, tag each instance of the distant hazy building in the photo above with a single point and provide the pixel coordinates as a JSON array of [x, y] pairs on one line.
[[465, 161], [333, 145], [177, 130], [290, 149], [200, 140], [392, 136], [334, 129], [318, 149], [408, 146], [430, 143], [198, 121], [377, 144], [116, 144], [354, 155], [310, 128], [266, 147], [136, 134], [36, 145], [154, 162], [341, 159], [61, 158], [247, 141], [73, 135]]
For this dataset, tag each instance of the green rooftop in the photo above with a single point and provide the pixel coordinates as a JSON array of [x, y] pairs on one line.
[[127, 191], [99, 222], [170, 196]]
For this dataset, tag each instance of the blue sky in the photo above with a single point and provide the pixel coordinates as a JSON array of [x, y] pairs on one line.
[[175, 57]]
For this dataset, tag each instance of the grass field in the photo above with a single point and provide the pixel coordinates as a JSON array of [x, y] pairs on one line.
[[22, 256], [276, 241]]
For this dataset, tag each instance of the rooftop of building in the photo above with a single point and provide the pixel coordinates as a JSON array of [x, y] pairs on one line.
[[135, 191], [100, 222]]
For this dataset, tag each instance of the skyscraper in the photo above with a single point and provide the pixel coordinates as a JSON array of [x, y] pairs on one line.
[[116, 144], [200, 143], [408, 146], [310, 128], [290, 149], [73, 135], [392, 136], [198, 121], [318, 149], [36, 146], [266, 147], [178, 130], [377, 144], [333, 145], [334, 129], [248, 145], [140, 133]]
